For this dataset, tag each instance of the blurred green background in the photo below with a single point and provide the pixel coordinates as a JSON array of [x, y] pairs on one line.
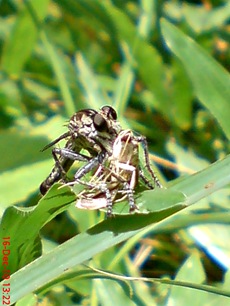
[[163, 65]]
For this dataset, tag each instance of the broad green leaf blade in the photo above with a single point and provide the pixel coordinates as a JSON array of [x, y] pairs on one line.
[[146, 57], [79, 249], [160, 199], [121, 28], [20, 148], [124, 87], [20, 43], [181, 96], [29, 300], [24, 166], [57, 59], [22, 225], [60, 69], [210, 81], [156, 200], [94, 95], [25, 180], [205, 182], [112, 231]]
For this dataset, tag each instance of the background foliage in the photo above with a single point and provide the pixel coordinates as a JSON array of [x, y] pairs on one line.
[[163, 66]]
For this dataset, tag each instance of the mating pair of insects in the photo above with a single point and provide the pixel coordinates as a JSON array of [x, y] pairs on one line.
[[113, 160]]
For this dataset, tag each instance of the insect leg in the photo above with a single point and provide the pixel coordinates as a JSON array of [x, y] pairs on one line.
[[109, 203], [61, 166], [143, 141], [92, 164], [129, 193], [144, 179], [67, 154]]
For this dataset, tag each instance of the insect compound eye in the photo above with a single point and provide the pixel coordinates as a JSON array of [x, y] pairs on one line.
[[109, 112], [100, 123]]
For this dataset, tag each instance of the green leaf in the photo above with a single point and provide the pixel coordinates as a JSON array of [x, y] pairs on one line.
[[77, 250], [110, 293], [160, 199], [20, 43], [28, 300], [211, 83], [94, 95], [20, 149], [25, 179], [105, 234], [121, 28], [150, 70], [22, 225], [181, 95], [192, 271], [200, 19], [205, 182], [124, 87]]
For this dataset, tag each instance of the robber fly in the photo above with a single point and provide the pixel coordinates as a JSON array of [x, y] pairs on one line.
[[117, 177], [93, 131]]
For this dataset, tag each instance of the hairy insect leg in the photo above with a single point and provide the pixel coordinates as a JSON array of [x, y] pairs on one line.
[[61, 166], [67, 154], [92, 164], [143, 141], [144, 179], [109, 203], [127, 186], [88, 129], [129, 192], [128, 182], [103, 181]]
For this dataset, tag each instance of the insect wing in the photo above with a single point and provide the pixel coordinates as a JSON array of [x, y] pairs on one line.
[[91, 203]]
